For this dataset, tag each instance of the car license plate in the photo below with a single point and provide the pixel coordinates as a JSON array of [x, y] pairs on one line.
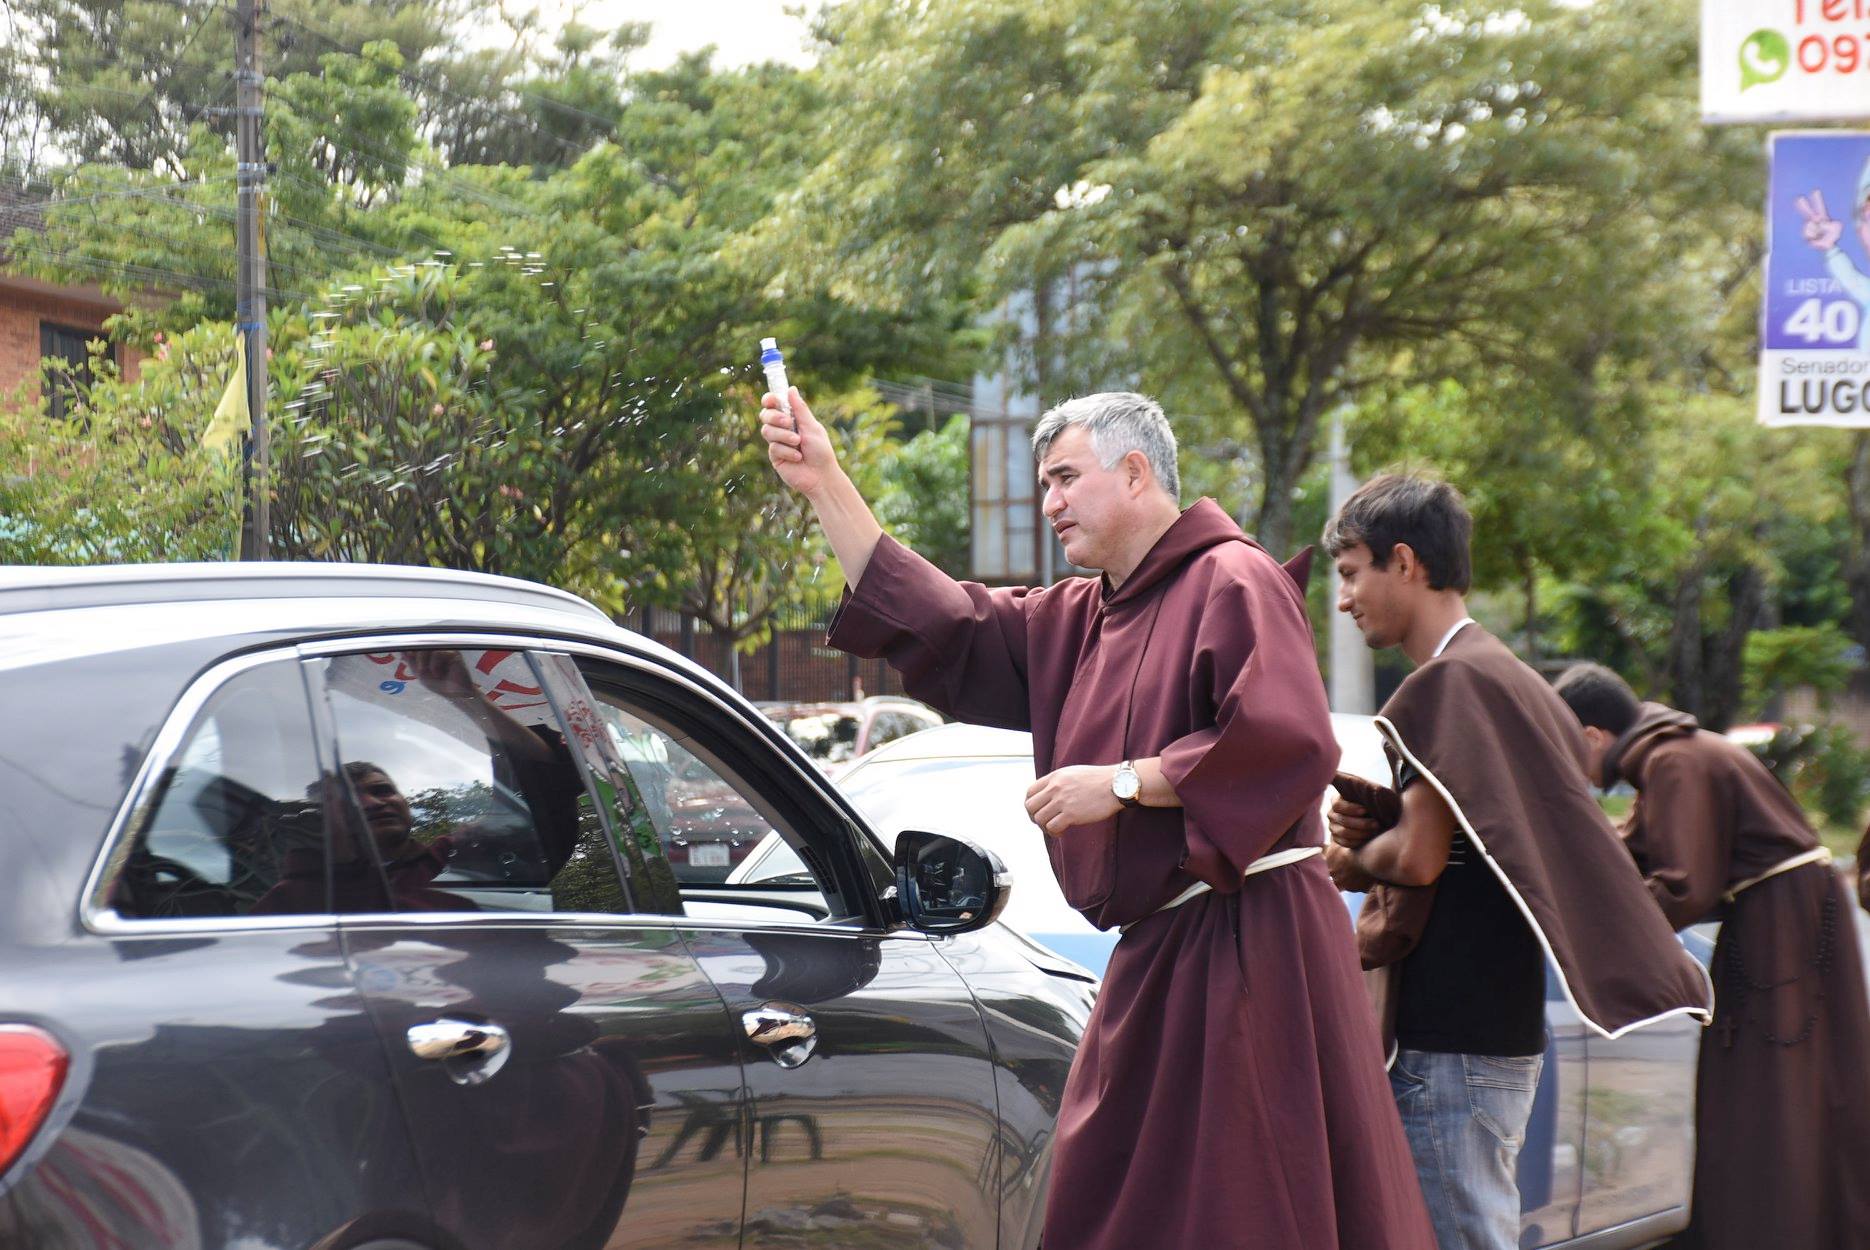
[[708, 855]]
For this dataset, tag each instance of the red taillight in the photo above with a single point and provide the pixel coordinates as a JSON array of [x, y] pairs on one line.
[[32, 1068]]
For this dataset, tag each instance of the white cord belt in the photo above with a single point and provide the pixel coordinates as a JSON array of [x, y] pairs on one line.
[[1818, 855], [1265, 863]]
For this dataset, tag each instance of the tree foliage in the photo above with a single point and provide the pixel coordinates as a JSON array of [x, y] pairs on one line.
[[516, 291], [925, 498], [1276, 208]]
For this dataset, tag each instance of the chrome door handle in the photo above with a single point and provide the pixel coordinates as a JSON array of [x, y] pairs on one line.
[[458, 1039], [787, 1030]]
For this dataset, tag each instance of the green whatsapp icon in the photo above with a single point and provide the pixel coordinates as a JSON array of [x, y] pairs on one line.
[[1764, 57]]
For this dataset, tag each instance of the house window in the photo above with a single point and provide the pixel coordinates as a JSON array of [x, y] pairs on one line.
[[67, 349]]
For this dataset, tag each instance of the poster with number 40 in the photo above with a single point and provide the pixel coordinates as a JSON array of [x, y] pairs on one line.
[[1815, 331]]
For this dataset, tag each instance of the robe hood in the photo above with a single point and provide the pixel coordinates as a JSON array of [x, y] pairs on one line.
[[1202, 525], [1653, 724]]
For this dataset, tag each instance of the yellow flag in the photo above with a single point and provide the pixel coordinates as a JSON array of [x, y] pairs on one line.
[[231, 416]]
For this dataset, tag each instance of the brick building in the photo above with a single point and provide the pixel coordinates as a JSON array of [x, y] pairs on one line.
[[45, 320]]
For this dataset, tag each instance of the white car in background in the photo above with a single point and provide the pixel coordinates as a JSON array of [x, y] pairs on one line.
[[970, 782]]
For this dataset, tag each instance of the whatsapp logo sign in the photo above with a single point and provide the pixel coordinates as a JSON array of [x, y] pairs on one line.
[[1764, 57]]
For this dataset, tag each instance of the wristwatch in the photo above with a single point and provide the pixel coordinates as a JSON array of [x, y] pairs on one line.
[[1126, 785]]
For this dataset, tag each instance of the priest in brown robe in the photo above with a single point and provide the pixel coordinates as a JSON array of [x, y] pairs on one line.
[[1782, 1100], [1495, 861], [1229, 1091]]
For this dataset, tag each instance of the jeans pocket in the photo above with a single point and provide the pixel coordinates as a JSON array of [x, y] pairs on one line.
[[1404, 1084], [1499, 1093]]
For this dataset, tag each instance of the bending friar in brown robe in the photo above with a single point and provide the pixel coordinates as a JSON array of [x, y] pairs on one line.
[[1229, 1092], [1782, 1101], [1863, 869], [1507, 756]]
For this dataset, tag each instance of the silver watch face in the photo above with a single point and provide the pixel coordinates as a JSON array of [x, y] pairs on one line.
[[1126, 783]]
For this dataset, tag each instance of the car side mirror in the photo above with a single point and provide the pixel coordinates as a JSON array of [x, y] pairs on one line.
[[946, 886]]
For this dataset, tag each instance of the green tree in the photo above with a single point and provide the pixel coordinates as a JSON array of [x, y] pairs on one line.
[[563, 386], [123, 476], [1711, 513], [1269, 210], [127, 81], [925, 495]]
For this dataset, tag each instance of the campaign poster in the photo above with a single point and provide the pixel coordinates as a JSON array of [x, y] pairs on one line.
[[1815, 320]]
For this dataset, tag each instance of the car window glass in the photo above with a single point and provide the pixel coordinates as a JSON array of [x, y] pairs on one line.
[[236, 823], [463, 792], [605, 752], [828, 735], [709, 821]]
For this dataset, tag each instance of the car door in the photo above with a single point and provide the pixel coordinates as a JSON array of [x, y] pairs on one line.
[[566, 1068], [1639, 1131], [233, 1089], [1551, 1158], [869, 1076]]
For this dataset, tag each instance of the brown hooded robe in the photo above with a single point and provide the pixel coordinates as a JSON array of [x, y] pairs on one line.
[[1782, 1110], [1229, 1091], [1863, 869], [1506, 754]]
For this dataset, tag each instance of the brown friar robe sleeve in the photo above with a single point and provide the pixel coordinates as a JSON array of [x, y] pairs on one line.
[[1245, 780], [1682, 836], [959, 646]]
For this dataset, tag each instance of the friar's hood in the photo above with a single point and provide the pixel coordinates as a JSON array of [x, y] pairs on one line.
[[1653, 724], [1202, 525]]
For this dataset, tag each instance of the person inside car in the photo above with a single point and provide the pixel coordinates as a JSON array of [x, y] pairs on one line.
[[396, 867]]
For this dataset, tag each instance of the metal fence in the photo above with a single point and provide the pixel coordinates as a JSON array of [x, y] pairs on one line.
[[794, 665]]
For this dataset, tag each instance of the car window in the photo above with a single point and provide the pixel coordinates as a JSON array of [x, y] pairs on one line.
[[237, 820], [460, 790], [605, 754], [710, 816], [830, 737]]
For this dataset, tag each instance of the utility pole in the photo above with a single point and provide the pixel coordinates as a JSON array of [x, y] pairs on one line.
[[1353, 671], [250, 315]]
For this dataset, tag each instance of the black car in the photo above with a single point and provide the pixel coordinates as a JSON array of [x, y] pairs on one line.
[[338, 913]]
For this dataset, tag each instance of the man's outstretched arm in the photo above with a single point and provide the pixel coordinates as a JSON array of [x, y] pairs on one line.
[[959, 646], [806, 462]]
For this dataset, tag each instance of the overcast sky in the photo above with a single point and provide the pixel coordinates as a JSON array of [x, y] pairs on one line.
[[743, 31]]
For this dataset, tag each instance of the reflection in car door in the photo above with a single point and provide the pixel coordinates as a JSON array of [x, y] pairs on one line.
[[567, 1070], [1551, 1157], [1639, 1126], [869, 1076]]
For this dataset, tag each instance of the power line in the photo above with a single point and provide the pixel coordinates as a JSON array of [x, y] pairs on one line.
[[149, 275], [325, 189], [281, 222], [182, 241], [492, 199], [180, 54]]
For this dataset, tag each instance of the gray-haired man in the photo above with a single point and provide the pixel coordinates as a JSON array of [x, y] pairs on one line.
[[1230, 1088]]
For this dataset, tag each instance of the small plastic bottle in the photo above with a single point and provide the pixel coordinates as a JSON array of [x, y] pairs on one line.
[[775, 366]]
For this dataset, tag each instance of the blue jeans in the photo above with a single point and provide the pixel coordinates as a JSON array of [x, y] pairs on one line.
[[1465, 1118]]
